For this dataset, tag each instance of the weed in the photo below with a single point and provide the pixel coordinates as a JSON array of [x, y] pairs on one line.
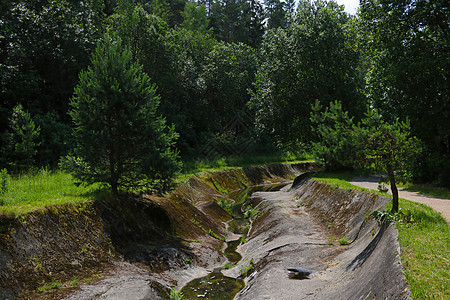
[[250, 212], [243, 239], [330, 241], [382, 188], [188, 260], [247, 269], [72, 283], [225, 205], [216, 236], [51, 286], [88, 280], [111, 253], [330, 225], [387, 215], [228, 266], [176, 294], [37, 264], [343, 241]]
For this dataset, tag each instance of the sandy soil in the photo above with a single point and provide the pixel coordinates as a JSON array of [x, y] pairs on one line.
[[438, 204]]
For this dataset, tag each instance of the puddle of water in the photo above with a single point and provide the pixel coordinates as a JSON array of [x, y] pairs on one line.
[[214, 286], [230, 252], [299, 273], [239, 226]]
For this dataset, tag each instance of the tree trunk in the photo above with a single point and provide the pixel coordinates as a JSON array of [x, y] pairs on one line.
[[393, 188], [114, 188]]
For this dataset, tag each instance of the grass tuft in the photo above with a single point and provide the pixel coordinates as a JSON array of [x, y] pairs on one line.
[[343, 241]]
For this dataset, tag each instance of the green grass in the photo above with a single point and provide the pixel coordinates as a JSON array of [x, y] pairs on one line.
[[51, 286], [427, 189], [340, 179], [246, 269], [28, 192], [343, 241], [424, 238]]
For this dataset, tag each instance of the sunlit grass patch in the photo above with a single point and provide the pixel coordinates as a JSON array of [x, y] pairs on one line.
[[425, 245], [340, 179], [35, 190]]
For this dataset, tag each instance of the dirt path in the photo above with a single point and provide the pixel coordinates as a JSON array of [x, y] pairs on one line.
[[438, 204]]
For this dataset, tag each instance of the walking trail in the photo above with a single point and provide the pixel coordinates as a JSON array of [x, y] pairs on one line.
[[438, 204]]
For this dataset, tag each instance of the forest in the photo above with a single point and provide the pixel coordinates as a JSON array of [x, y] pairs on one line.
[[107, 88]]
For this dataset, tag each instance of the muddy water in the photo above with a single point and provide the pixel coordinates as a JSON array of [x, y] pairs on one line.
[[216, 285]]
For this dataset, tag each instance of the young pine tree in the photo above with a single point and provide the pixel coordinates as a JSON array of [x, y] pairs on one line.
[[21, 141], [120, 138]]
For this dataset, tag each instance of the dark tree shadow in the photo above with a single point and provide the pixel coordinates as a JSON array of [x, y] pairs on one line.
[[367, 252]]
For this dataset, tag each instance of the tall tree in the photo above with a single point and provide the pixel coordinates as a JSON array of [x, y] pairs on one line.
[[276, 14], [120, 137], [312, 59], [251, 27], [195, 17], [43, 46], [237, 21], [407, 47]]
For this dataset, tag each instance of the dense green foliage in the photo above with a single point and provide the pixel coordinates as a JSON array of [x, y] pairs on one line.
[[235, 77], [344, 143], [407, 48], [311, 60], [120, 138]]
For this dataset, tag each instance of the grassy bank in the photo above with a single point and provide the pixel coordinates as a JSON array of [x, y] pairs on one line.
[[424, 238], [34, 190]]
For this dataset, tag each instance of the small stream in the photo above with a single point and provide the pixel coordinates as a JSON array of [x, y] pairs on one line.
[[216, 285]]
